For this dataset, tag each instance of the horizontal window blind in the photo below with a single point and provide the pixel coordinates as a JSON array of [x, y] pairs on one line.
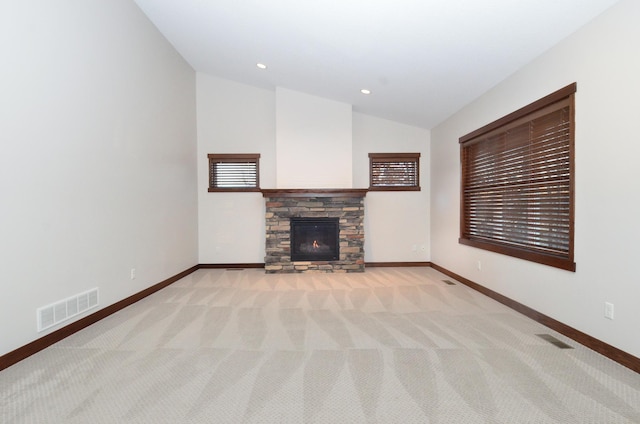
[[394, 171], [234, 174], [229, 172], [517, 187]]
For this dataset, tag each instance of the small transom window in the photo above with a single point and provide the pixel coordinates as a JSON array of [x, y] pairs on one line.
[[394, 171], [234, 172]]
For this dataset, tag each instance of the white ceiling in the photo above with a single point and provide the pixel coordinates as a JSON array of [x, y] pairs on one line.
[[423, 60]]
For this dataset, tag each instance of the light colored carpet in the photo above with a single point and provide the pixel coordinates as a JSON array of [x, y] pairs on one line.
[[391, 345]]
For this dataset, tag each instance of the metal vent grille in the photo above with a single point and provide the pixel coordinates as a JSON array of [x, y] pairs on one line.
[[558, 343], [63, 310]]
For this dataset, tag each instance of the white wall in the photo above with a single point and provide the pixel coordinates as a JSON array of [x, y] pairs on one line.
[[313, 141], [603, 59], [97, 171], [396, 222]]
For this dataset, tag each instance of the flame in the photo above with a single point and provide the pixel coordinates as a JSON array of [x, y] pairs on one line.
[[315, 244]]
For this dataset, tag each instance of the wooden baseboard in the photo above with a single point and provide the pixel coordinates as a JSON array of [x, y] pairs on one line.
[[367, 264], [623, 358], [230, 266], [395, 264], [36, 346]]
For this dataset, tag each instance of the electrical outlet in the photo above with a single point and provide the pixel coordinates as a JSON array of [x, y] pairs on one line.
[[479, 265], [608, 310], [133, 273]]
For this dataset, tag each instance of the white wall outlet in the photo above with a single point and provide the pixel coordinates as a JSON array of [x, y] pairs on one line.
[[479, 265], [133, 273], [608, 310], [414, 248]]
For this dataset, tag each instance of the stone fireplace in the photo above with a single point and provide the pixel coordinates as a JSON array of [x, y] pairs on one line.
[[314, 230]]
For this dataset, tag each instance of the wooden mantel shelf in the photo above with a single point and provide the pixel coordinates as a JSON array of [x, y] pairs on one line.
[[314, 192]]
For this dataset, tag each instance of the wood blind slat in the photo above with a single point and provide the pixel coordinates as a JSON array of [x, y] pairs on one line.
[[394, 170], [517, 183]]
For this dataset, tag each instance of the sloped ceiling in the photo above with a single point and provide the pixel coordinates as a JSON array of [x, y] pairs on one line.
[[423, 60]]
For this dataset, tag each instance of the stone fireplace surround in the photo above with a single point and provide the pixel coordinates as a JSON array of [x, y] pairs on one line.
[[284, 204]]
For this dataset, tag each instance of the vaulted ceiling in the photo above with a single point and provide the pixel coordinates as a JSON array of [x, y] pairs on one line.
[[422, 60]]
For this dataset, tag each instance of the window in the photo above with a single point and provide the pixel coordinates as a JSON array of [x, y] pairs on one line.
[[234, 172], [394, 171], [517, 183]]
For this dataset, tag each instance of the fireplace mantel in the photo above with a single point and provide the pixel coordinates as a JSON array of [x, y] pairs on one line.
[[314, 192]]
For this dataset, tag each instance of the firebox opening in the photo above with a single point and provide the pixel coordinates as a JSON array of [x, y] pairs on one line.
[[315, 239]]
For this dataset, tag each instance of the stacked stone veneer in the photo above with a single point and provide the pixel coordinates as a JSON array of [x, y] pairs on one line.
[[279, 211]]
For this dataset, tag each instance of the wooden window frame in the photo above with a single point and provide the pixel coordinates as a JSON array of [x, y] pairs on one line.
[[239, 158], [377, 160], [517, 199]]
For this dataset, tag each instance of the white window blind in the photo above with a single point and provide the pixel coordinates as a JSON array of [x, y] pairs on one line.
[[234, 172]]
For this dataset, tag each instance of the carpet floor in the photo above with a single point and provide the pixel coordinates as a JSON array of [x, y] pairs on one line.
[[390, 345]]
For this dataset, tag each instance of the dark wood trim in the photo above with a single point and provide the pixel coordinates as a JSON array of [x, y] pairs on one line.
[[386, 157], [394, 188], [36, 346], [530, 108], [395, 264], [234, 190], [528, 255], [367, 264], [230, 266], [314, 192], [234, 157], [623, 358]]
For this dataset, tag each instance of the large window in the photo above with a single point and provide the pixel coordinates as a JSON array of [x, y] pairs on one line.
[[517, 183], [234, 172], [394, 171]]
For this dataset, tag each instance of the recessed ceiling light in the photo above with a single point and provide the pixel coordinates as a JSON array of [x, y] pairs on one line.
[[365, 91], [261, 65]]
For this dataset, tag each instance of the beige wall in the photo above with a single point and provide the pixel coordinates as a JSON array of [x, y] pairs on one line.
[[313, 141], [233, 118], [97, 171], [603, 59], [396, 222]]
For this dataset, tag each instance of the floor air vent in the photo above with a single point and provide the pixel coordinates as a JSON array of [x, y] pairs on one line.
[[554, 341], [451, 283], [57, 312]]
